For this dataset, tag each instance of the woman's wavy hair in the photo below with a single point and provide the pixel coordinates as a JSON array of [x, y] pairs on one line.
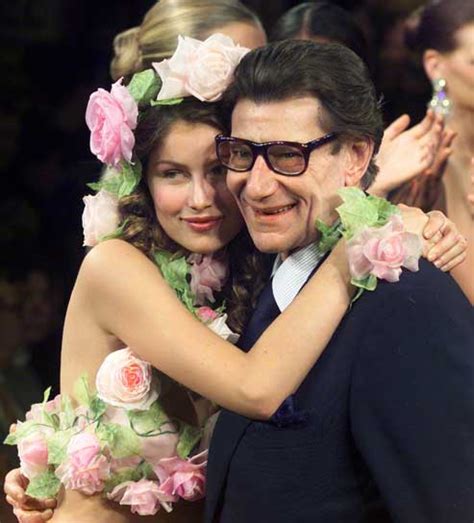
[[156, 37], [142, 229]]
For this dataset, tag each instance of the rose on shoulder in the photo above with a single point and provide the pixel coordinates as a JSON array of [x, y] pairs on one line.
[[199, 69], [100, 217], [383, 251], [124, 380], [208, 274]]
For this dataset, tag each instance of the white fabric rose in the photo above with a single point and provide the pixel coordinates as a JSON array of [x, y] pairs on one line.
[[125, 381], [200, 69], [100, 217], [220, 327]]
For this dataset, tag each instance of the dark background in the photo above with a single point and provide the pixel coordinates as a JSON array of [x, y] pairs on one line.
[[54, 53]]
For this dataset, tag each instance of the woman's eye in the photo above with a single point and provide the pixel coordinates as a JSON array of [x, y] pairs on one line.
[[171, 174]]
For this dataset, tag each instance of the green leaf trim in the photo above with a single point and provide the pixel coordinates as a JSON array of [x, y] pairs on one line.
[[45, 485], [120, 182], [189, 437], [175, 271], [169, 101], [144, 86]]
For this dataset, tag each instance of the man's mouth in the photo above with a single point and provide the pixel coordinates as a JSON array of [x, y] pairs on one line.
[[274, 211]]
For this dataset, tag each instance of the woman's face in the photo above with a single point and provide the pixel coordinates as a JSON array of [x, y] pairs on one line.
[[188, 187], [458, 69]]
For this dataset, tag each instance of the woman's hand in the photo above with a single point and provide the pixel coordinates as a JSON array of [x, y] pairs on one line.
[[443, 244], [405, 154], [26, 508]]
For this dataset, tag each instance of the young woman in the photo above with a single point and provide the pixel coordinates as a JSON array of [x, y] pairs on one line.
[[443, 32], [182, 206]]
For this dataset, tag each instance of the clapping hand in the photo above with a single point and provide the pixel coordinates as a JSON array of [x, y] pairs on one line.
[[406, 153]]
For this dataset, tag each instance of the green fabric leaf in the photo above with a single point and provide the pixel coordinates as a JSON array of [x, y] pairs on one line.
[[356, 212], [23, 430], [148, 422], [57, 446], [122, 181], [122, 441], [97, 407], [189, 436], [144, 86], [169, 101], [69, 416], [175, 271], [45, 485], [82, 392], [330, 235]]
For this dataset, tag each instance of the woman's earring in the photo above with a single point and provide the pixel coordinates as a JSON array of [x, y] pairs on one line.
[[440, 103]]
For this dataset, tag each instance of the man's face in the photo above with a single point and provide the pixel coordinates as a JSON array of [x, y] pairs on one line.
[[281, 211]]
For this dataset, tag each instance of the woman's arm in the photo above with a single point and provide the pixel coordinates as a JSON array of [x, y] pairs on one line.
[[123, 294]]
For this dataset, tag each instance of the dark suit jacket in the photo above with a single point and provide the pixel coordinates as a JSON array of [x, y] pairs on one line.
[[382, 427]]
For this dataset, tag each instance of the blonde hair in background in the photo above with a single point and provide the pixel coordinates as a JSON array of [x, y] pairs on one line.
[[157, 36]]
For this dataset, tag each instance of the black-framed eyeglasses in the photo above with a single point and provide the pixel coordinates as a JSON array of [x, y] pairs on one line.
[[287, 158]]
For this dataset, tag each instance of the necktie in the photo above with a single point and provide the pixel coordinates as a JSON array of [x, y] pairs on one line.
[[265, 312]]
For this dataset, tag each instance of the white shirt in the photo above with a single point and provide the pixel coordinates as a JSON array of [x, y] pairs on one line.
[[291, 274]]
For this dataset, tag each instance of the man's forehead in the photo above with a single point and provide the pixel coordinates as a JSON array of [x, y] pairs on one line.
[[289, 119]]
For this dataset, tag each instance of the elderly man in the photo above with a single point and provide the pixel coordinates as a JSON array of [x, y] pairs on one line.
[[382, 428]]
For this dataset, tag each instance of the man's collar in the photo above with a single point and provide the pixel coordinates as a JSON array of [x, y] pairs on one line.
[[290, 275]]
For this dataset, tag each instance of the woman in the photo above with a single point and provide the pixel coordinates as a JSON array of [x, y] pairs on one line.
[[192, 213], [155, 38], [443, 32]]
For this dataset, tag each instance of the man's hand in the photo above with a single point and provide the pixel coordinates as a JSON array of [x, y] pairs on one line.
[[405, 154], [443, 244], [26, 508]]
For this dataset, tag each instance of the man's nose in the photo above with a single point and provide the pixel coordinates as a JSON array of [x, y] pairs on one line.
[[261, 181], [201, 193]]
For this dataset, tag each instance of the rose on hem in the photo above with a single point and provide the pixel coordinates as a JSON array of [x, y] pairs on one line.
[[202, 69], [185, 478], [144, 497], [124, 380], [383, 251], [111, 118], [100, 217]]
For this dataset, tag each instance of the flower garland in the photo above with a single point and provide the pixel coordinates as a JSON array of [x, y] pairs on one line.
[[119, 441], [378, 245]]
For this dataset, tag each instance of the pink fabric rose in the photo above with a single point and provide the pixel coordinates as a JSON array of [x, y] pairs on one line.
[[111, 118], [124, 380], [384, 251], [33, 454], [185, 478], [85, 468], [100, 217], [206, 314], [200, 69], [144, 497], [208, 274], [36, 411]]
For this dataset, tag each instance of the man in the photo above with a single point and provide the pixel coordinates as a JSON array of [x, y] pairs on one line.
[[382, 428]]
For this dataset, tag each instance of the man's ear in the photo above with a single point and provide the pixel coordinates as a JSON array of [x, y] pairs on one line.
[[358, 155], [433, 64]]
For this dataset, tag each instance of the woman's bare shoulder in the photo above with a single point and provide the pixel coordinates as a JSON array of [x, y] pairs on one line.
[[115, 259]]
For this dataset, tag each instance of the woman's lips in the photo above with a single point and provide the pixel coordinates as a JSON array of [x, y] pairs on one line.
[[203, 223]]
